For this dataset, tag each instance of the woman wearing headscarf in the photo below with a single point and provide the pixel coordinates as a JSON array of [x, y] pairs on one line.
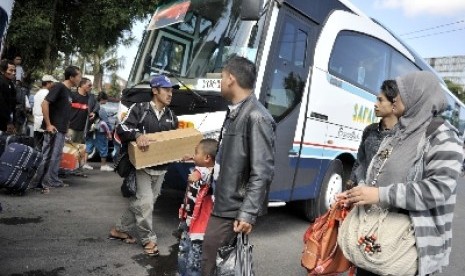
[[418, 177]]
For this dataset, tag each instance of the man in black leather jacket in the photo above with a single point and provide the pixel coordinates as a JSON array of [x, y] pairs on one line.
[[245, 162]]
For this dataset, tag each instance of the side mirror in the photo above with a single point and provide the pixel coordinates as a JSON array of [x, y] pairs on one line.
[[251, 9]]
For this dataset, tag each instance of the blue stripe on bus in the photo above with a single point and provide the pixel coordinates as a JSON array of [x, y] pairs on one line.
[[319, 153], [352, 89]]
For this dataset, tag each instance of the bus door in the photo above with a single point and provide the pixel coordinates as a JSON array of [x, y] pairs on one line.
[[284, 82]]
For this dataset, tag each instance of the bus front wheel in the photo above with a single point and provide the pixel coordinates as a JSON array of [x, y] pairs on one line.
[[331, 185]]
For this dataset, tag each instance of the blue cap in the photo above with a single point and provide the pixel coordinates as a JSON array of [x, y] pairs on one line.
[[162, 81]]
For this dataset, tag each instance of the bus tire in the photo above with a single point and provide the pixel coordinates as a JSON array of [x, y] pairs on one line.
[[331, 185]]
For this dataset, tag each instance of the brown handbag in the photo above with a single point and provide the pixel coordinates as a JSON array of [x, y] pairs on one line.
[[321, 254]]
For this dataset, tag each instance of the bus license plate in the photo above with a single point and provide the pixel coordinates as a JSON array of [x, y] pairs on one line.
[[209, 84]]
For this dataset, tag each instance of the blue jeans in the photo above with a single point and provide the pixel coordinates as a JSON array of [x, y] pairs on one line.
[[52, 150], [98, 141], [189, 256]]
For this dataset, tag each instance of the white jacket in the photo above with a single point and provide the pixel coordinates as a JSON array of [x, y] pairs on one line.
[[37, 108]]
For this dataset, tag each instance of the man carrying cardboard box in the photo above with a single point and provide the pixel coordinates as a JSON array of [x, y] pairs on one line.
[[141, 119]]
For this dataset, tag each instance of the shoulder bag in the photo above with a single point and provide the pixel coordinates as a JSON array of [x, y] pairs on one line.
[[379, 241], [321, 254]]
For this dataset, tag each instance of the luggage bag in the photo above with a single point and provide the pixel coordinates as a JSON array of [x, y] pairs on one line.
[[18, 165], [6, 139], [72, 156]]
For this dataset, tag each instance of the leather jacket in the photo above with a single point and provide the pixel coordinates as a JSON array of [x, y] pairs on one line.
[[246, 163]]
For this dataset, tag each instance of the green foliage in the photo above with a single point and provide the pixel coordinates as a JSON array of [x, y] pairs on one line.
[[47, 33], [114, 89], [456, 89]]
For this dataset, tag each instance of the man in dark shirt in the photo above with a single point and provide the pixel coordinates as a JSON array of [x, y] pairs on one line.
[[84, 108], [56, 109], [7, 93]]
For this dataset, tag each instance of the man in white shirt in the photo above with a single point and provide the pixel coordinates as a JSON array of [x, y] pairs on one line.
[[19, 69], [47, 83]]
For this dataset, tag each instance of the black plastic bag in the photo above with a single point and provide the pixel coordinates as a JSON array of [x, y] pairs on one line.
[[123, 165], [235, 259], [129, 187]]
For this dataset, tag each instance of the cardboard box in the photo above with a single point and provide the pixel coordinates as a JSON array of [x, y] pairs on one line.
[[72, 154], [168, 146]]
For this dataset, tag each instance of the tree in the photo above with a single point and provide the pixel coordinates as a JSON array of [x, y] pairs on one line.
[[41, 30], [115, 89], [104, 61], [456, 89], [28, 33]]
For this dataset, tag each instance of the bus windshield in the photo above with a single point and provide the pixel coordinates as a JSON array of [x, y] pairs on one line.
[[211, 32]]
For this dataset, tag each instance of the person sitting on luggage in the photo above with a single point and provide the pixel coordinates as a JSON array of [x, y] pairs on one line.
[[10, 129], [196, 208], [99, 135], [143, 118]]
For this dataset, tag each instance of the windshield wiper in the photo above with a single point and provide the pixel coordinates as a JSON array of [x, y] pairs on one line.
[[196, 94], [169, 74]]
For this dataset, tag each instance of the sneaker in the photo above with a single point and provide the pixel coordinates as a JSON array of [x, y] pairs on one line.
[[106, 168], [87, 167]]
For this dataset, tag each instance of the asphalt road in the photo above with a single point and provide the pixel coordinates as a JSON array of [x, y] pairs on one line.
[[64, 233]]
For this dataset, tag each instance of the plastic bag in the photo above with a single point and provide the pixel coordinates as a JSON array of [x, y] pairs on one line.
[[235, 259], [129, 188]]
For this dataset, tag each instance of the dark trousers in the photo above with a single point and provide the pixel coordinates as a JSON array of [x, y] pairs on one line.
[[38, 139], [219, 233]]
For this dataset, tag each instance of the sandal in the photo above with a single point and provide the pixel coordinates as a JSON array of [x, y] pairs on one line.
[[151, 249], [128, 239]]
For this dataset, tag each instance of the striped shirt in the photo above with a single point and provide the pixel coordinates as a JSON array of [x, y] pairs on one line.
[[430, 199]]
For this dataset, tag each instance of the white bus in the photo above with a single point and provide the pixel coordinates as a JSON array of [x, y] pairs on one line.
[[6, 7], [320, 66]]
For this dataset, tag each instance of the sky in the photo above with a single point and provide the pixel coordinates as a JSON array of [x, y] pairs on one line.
[[433, 28]]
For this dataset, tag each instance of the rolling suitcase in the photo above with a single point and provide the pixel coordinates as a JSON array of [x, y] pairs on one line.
[[18, 165], [6, 139]]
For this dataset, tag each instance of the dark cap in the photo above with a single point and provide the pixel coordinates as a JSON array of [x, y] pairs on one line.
[[162, 81]]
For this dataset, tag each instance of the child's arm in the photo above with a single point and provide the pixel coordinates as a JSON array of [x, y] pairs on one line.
[[194, 176], [187, 157]]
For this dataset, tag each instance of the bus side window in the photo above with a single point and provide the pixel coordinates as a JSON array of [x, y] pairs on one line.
[[461, 124], [453, 112], [359, 59], [400, 65]]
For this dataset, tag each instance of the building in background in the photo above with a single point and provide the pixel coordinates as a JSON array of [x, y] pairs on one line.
[[449, 68]]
